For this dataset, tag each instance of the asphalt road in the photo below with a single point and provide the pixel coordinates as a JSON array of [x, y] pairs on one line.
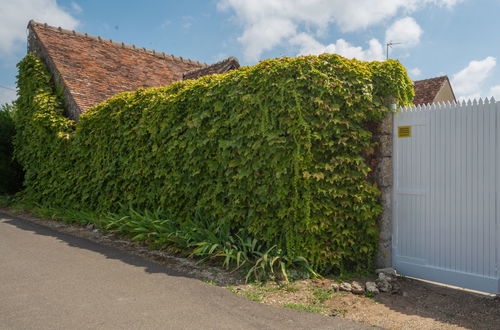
[[51, 280]]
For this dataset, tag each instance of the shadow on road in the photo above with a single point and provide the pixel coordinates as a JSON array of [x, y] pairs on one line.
[[83, 243]]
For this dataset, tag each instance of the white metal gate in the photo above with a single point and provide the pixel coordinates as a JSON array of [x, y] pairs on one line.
[[446, 202]]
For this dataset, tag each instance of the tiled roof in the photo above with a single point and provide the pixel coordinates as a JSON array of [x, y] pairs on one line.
[[427, 89], [92, 69], [223, 66]]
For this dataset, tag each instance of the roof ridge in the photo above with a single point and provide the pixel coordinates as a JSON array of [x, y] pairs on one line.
[[118, 44], [229, 59], [439, 77]]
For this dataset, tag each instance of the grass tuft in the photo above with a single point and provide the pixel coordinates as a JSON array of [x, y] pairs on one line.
[[322, 295], [311, 309], [253, 295]]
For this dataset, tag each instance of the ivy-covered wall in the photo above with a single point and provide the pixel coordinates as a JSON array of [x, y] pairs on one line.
[[278, 148]]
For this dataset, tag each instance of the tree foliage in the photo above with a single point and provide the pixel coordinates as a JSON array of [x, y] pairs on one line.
[[10, 172], [275, 148]]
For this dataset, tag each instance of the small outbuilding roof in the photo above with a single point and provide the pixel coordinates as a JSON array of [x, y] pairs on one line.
[[427, 91], [223, 66]]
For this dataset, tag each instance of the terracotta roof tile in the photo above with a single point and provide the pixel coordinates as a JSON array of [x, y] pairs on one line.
[[427, 89], [94, 69]]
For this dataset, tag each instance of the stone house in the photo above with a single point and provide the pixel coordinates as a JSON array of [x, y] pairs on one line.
[[91, 69]]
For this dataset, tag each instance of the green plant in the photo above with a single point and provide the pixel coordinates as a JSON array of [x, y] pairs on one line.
[[348, 275], [311, 309], [274, 151], [288, 287], [11, 176], [252, 294], [322, 295], [81, 217], [273, 263], [207, 240], [154, 228], [6, 200]]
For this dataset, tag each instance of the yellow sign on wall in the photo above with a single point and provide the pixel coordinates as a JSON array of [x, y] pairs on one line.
[[404, 131]]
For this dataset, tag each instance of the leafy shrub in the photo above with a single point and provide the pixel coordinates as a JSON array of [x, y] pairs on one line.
[[10, 172], [274, 150]]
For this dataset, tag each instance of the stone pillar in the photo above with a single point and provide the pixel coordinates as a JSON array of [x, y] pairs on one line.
[[383, 178]]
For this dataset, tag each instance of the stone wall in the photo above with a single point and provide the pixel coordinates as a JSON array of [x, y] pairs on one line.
[[383, 178]]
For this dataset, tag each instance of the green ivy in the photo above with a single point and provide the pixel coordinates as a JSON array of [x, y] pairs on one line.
[[276, 148]]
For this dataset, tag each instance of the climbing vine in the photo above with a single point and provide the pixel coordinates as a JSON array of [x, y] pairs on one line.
[[274, 148]]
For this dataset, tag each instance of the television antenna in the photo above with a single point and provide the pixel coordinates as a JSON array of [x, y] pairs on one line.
[[389, 45]]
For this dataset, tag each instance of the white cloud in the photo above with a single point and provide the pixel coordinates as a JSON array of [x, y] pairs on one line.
[[415, 72], [264, 35], [447, 3], [165, 23], [14, 17], [268, 23], [76, 7], [7, 95], [406, 31], [310, 46], [187, 22], [495, 92], [468, 81]]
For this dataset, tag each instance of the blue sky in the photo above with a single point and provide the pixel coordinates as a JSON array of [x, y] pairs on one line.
[[459, 38]]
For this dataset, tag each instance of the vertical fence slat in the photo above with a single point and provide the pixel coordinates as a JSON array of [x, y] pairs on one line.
[[453, 166], [448, 225], [469, 160], [465, 190], [490, 176], [462, 177], [497, 195], [435, 202], [441, 187], [476, 221]]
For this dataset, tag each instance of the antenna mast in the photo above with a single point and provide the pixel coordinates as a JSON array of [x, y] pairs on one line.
[[389, 45]]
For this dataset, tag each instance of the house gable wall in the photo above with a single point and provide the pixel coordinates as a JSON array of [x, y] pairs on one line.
[[445, 94]]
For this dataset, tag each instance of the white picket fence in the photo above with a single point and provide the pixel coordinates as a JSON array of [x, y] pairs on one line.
[[446, 208]]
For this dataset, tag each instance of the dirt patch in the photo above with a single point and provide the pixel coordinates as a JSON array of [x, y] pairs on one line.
[[418, 306]]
